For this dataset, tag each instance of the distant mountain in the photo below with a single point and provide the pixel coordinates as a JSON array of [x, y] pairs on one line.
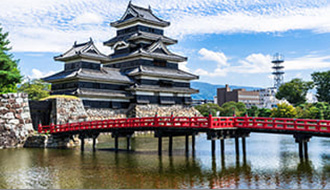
[[207, 90]]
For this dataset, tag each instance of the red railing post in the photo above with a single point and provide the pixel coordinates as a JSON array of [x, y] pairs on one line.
[[210, 121], [156, 120]]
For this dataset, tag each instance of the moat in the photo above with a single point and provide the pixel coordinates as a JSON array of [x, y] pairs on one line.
[[272, 161]]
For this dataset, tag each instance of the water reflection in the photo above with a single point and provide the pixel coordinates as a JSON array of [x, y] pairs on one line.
[[273, 166]]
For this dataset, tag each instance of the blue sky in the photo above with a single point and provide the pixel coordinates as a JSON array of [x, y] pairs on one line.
[[226, 42]]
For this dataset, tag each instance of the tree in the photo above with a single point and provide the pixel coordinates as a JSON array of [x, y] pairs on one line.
[[36, 89], [294, 91], [322, 82], [264, 112], [284, 110], [9, 73], [231, 108], [253, 111], [206, 109]]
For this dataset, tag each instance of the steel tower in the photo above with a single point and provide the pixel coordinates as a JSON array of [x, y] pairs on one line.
[[278, 73]]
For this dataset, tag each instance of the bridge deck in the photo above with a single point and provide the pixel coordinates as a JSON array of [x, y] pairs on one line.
[[198, 124]]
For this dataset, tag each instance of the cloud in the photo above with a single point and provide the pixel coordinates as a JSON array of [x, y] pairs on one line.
[[88, 18], [307, 62], [258, 63], [49, 26], [37, 74], [183, 66]]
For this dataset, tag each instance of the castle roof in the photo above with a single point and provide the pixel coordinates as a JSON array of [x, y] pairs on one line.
[[161, 72], [140, 35], [135, 13], [82, 50], [157, 50], [152, 88], [105, 74]]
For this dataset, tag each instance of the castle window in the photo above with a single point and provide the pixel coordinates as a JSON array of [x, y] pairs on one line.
[[159, 63], [165, 83]]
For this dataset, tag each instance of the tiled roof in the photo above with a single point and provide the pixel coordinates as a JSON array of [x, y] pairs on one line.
[[105, 74], [134, 12], [161, 72], [152, 88], [82, 50]]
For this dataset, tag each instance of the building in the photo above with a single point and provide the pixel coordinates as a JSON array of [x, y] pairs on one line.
[[249, 98], [267, 97], [141, 70]]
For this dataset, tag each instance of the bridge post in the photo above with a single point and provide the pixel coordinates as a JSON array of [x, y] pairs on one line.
[[213, 147], [237, 147], [82, 142], [306, 150], [244, 148], [187, 145], [193, 144], [116, 143], [128, 143], [222, 146], [300, 150], [94, 143], [159, 145], [170, 145]]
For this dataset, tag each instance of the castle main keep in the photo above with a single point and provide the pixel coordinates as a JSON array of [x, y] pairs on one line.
[[142, 70]]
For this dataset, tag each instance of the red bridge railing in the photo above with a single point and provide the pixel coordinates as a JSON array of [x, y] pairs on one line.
[[210, 122]]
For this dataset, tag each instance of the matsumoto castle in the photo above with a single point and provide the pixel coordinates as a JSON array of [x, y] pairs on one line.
[[140, 71]]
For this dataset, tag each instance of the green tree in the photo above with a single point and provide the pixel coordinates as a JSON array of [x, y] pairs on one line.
[[294, 91], [36, 89], [264, 112], [322, 82], [9, 73], [284, 110], [206, 109], [253, 111], [231, 108]]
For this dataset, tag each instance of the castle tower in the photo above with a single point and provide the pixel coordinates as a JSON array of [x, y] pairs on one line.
[[278, 72]]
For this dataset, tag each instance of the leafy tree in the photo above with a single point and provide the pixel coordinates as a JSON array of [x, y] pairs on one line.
[[231, 108], [308, 111], [283, 110], [294, 91], [322, 82], [264, 112], [36, 89], [253, 111], [206, 109], [9, 73]]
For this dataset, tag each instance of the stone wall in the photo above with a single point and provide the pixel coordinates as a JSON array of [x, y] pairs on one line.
[[69, 111], [103, 114], [15, 120], [149, 110], [50, 141]]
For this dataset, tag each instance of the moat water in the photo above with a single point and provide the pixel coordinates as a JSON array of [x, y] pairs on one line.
[[271, 162]]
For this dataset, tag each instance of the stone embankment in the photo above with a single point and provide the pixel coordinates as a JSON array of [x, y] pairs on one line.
[[15, 120]]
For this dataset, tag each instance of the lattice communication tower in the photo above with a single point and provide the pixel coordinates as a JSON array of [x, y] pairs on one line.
[[278, 73]]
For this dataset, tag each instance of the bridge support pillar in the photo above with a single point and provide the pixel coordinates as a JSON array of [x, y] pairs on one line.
[[82, 144], [237, 146], [222, 147], [213, 147], [160, 145], [302, 140], [116, 144], [193, 144], [94, 144], [244, 148], [170, 145], [128, 143], [187, 145]]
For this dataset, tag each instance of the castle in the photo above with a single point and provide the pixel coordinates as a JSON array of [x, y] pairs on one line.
[[142, 70]]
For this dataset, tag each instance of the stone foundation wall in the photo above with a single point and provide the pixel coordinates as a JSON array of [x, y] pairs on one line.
[[49, 141], [162, 110], [15, 120], [103, 114], [69, 111]]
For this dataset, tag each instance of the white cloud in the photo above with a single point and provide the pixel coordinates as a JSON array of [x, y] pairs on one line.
[[259, 63], [183, 66], [88, 18], [37, 74], [49, 25], [307, 62]]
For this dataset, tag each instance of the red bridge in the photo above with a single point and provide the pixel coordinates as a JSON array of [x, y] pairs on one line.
[[215, 127]]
